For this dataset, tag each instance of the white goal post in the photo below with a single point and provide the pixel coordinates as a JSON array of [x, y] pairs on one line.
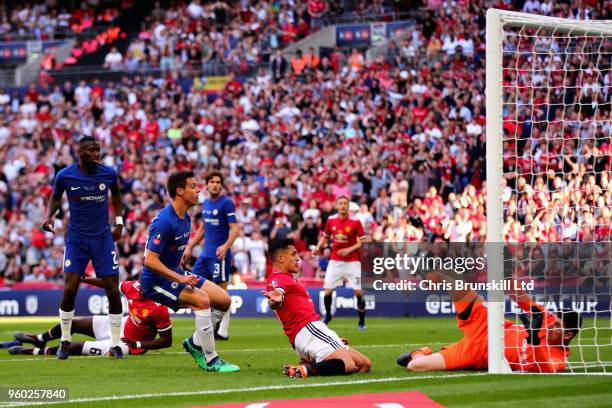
[[500, 25]]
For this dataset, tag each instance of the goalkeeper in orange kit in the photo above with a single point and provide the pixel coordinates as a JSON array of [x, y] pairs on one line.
[[540, 345]]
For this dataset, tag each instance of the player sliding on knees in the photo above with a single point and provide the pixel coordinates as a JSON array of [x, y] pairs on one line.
[[140, 329], [321, 350], [219, 229], [165, 282], [89, 236], [347, 236], [541, 345]]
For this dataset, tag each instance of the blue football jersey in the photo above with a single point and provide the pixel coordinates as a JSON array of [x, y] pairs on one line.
[[168, 236], [87, 198], [217, 216]]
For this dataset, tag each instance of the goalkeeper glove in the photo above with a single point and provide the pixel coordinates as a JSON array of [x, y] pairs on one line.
[[533, 324]]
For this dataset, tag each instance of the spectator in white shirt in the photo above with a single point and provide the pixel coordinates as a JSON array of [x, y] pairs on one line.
[[195, 9], [239, 252], [531, 6], [257, 251], [245, 215], [113, 59], [82, 93]]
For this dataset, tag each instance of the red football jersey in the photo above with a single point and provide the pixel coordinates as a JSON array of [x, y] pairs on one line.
[[344, 233], [297, 309], [525, 357], [146, 317]]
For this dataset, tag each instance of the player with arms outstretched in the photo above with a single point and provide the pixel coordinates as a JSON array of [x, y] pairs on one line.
[[165, 282], [540, 346], [321, 350], [347, 236], [88, 237], [219, 229], [146, 321]]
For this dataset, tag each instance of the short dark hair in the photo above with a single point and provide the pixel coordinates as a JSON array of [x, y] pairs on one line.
[[178, 180], [276, 245], [572, 320], [343, 197], [86, 139], [214, 173]]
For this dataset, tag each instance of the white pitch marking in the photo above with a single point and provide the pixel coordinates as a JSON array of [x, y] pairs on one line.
[[242, 390]]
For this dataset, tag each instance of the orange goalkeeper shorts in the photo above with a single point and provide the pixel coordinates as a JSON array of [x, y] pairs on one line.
[[471, 352]]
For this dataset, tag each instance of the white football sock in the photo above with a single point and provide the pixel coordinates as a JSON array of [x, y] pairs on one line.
[[204, 334], [66, 324], [217, 316], [115, 326], [224, 326]]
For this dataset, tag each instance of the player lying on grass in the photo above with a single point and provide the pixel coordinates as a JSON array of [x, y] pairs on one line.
[[140, 329], [541, 345], [321, 350]]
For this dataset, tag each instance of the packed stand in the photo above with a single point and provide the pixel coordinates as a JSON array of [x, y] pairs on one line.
[[51, 19], [403, 136], [190, 34]]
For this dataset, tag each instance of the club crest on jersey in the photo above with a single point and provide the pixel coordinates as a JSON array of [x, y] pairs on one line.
[[215, 211], [157, 239], [67, 263], [348, 229], [174, 285], [273, 283], [102, 186]]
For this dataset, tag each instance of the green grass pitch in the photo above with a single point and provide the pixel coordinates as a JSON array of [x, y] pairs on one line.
[[170, 378]]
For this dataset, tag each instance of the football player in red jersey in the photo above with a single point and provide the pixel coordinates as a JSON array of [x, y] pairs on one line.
[[347, 236], [140, 329], [321, 350]]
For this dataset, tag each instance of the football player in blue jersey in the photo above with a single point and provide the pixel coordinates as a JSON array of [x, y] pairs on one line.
[[219, 229], [89, 236], [164, 281]]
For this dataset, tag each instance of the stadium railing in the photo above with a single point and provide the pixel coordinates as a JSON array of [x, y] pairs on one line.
[[88, 73]]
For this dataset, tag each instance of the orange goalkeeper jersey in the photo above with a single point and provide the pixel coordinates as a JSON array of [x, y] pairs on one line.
[[525, 357]]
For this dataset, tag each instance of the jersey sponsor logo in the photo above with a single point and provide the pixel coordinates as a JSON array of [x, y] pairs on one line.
[[74, 188], [341, 237], [157, 239], [93, 198], [214, 221]]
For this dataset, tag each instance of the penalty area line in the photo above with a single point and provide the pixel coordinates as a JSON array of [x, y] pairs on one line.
[[242, 390]]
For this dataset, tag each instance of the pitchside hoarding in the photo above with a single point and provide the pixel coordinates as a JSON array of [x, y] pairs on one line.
[[251, 303]]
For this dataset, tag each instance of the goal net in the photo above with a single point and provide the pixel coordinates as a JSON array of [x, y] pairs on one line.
[[549, 187]]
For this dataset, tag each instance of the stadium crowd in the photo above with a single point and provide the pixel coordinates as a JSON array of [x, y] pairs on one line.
[[51, 18], [189, 34], [402, 135]]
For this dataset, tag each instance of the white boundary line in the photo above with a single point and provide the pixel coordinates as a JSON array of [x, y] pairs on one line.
[[242, 390], [171, 353]]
